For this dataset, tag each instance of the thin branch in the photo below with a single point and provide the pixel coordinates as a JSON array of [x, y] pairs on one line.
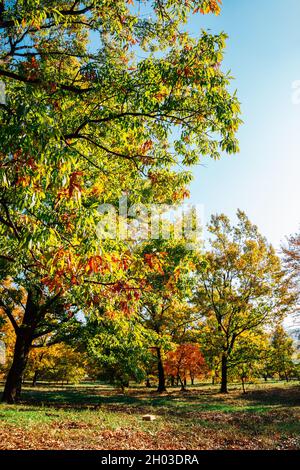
[[38, 81], [9, 222], [10, 316], [107, 150]]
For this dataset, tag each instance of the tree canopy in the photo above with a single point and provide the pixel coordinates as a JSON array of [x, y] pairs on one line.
[[241, 286]]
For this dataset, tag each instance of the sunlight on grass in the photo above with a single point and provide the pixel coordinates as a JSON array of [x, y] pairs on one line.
[[89, 416]]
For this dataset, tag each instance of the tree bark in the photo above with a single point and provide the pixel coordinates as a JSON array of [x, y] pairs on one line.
[[13, 385], [161, 373], [224, 374]]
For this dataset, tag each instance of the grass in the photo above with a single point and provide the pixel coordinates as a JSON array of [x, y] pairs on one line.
[[95, 416]]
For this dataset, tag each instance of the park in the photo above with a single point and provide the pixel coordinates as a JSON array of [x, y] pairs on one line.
[[149, 225]]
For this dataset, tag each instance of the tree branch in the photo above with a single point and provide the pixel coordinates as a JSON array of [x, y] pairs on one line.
[[11, 23]]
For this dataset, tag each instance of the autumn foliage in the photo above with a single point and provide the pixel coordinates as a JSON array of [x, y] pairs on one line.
[[185, 362]]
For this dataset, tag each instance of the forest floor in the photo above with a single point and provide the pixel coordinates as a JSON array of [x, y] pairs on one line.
[[98, 417]]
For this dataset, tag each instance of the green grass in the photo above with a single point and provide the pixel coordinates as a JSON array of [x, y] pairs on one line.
[[95, 416]]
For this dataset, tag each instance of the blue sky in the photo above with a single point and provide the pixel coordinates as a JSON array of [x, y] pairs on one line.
[[263, 54]]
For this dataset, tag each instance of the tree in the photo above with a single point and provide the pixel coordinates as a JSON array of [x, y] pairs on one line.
[[264, 366], [59, 363], [291, 259], [118, 348], [282, 354], [241, 285], [292, 255], [165, 309], [31, 320], [210, 348], [82, 125], [186, 360], [248, 359]]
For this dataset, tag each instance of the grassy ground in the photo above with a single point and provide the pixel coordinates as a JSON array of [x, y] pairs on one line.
[[98, 417]]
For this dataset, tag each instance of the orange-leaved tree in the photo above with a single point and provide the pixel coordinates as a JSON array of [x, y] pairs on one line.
[[185, 361]]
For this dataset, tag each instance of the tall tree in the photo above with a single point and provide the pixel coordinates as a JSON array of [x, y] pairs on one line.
[[85, 121], [241, 285], [292, 255], [165, 309], [282, 353]]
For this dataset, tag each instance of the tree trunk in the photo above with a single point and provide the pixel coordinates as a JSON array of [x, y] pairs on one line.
[[24, 338], [172, 380], [243, 385], [35, 377], [286, 376], [161, 373], [36, 372], [13, 385], [224, 374], [148, 384], [182, 383]]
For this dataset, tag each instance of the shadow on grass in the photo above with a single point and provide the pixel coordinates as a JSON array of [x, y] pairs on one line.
[[274, 396], [94, 398], [174, 402], [75, 397]]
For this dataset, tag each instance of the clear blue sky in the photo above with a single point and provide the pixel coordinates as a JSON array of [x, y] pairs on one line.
[[263, 53]]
